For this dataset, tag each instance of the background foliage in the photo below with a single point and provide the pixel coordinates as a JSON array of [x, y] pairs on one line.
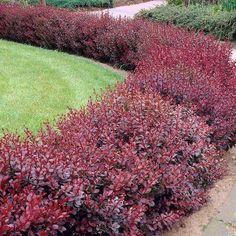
[[209, 19], [71, 4]]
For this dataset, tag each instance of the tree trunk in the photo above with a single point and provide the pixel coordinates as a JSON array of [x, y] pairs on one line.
[[43, 2]]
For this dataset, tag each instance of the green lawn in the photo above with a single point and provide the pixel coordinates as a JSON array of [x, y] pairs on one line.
[[37, 85]]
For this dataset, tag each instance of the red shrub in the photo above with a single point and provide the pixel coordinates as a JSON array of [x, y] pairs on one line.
[[132, 164], [206, 80], [103, 38], [192, 68], [118, 41]]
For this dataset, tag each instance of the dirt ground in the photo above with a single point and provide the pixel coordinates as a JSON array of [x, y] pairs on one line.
[[194, 225]]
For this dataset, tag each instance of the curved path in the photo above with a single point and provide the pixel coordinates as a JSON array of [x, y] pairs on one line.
[[234, 53], [131, 10]]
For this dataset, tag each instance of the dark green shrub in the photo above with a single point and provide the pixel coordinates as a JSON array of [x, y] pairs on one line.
[[228, 5], [175, 2], [194, 2], [23, 2], [71, 4], [208, 19]]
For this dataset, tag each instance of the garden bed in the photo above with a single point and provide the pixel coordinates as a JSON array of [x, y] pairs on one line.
[[140, 158]]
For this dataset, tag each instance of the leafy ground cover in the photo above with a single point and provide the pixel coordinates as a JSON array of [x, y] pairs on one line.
[[207, 18], [38, 85]]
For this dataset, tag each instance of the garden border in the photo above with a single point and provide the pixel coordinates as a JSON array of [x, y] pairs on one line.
[[117, 126]]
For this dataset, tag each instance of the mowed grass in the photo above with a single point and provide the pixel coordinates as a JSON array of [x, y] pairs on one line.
[[38, 85]]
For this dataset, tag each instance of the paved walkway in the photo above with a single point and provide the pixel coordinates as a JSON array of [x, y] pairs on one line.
[[234, 54], [224, 224], [130, 11]]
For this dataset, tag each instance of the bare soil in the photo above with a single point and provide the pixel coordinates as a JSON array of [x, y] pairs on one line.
[[194, 225]]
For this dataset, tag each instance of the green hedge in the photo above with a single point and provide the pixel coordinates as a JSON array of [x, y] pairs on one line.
[[71, 4], [209, 19], [21, 2], [227, 5]]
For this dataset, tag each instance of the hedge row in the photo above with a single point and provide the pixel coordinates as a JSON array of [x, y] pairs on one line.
[[132, 164], [208, 19], [73, 4], [197, 80], [140, 158], [225, 5]]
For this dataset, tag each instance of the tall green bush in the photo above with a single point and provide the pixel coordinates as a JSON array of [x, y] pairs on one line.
[[228, 5], [23, 2], [208, 19], [71, 4]]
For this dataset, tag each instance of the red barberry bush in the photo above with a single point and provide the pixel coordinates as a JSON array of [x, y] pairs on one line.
[[142, 157], [131, 164], [101, 38], [195, 72], [193, 68]]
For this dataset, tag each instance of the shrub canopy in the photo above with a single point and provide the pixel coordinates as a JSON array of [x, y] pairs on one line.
[[208, 19], [140, 158]]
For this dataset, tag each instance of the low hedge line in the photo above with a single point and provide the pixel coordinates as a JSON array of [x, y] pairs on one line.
[[132, 164], [189, 73], [140, 158], [208, 19], [73, 4]]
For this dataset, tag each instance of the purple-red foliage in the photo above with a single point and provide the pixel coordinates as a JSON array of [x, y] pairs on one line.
[[132, 164], [194, 74], [101, 38], [193, 68]]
